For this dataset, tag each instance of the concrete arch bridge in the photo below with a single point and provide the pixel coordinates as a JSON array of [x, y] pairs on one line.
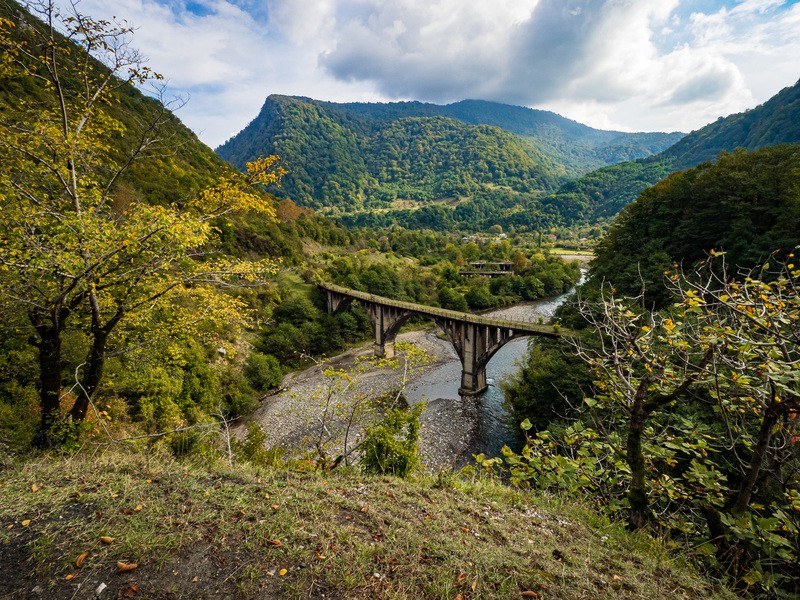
[[474, 337]]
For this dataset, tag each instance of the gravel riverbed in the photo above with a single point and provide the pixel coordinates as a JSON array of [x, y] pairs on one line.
[[294, 417]]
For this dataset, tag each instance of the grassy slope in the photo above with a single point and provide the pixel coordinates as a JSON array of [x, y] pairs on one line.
[[219, 532]]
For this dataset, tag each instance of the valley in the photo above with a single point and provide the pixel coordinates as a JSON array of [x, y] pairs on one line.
[[191, 404]]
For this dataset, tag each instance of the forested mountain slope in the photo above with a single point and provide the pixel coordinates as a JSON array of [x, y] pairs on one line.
[[178, 167], [363, 155], [349, 161], [575, 148], [604, 192], [747, 205]]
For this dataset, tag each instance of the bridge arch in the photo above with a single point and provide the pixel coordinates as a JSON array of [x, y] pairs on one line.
[[476, 339]]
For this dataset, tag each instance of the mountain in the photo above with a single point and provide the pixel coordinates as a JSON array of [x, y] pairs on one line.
[[746, 204], [357, 157], [575, 147], [177, 170], [602, 193]]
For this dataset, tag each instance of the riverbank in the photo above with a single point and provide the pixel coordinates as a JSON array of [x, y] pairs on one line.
[[294, 418]]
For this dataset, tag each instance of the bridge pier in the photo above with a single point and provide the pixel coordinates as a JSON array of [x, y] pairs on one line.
[[475, 344], [467, 340], [386, 322]]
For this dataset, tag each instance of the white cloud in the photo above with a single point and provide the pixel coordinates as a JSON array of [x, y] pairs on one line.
[[627, 64]]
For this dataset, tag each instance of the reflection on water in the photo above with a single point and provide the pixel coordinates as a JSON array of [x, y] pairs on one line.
[[493, 427]]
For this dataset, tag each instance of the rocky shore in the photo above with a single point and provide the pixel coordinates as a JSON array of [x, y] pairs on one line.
[[315, 404]]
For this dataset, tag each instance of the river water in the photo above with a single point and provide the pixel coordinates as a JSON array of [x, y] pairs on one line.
[[492, 428]]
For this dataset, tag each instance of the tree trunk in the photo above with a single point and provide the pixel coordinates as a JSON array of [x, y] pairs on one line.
[[49, 345], [92, 375], [637, 494], [768, 422]]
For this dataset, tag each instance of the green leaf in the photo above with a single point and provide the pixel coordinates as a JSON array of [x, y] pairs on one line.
[[753, 577]]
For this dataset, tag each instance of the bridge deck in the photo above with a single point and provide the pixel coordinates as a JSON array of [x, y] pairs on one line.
[[517, 326]]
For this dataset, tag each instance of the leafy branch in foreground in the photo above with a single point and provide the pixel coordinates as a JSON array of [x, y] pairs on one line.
[[694, 427]]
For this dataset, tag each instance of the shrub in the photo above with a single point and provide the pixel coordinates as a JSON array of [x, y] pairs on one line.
[[390, 447], [263, 371]]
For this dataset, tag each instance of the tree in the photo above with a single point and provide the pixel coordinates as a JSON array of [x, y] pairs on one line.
[[709, 393], [644, 364], [75, 253], [692, 427]]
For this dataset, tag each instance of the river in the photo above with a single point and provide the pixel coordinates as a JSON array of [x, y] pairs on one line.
[[492, 427]]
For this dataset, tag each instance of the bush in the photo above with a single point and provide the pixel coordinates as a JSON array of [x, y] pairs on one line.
[[254, 450], [390, 447], [263, 371]]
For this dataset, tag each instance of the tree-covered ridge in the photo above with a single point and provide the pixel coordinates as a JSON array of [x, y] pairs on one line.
[[441, 158], [365, 155], [573, 147], [604, 192], [342, 161], [746, 205]]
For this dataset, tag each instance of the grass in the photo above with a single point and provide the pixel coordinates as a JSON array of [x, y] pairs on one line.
[[575, 251], [196, 529]]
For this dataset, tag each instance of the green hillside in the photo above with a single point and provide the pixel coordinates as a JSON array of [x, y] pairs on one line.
[[572, 147], [174, 169], [482, 156], [347, 161], [604, 192], [747, 204]]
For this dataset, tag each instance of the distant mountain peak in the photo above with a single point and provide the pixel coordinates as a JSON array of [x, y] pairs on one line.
[[351, 155]]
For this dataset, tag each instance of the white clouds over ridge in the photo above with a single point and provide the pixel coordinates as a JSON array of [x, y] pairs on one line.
[[632, 64]]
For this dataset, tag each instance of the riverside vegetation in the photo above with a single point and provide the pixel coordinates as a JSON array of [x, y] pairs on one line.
[[161, 294]]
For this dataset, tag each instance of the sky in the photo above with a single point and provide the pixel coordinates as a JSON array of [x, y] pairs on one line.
[[630, 65]]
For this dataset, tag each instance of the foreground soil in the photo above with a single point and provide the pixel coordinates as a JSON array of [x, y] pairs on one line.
[[135, 525]]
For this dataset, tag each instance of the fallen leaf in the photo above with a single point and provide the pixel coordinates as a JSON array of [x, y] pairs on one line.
[[363, 509], [138, 507], [81, 558], [459, 597], [106, 539], [282, 572], [195, 579], [321, 556], [474, 585], [277, 543], [274, 506], [530, 594], [130, 592], [462, 576], [26, 522], [124, 567], [70, 577], [34, 488], [149, 481]]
